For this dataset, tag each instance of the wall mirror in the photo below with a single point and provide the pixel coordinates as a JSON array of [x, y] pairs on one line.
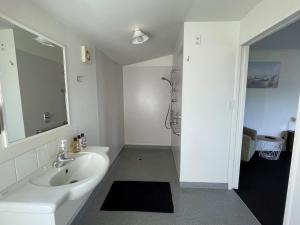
[[33, 83]]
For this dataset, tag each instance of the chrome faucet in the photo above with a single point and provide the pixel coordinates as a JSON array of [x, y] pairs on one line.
[[61, 160]]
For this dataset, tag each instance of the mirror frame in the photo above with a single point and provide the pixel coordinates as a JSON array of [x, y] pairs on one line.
[[5, 142]]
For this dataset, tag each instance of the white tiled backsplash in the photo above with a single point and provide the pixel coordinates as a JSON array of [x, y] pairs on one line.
[[7, 174], [14, 170]]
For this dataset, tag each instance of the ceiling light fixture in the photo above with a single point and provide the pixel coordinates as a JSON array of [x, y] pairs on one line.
[[139, 37]]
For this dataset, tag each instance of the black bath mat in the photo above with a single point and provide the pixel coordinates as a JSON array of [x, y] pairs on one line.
[[139, 196]]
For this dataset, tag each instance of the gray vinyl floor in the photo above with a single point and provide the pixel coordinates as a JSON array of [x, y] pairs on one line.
[[192, 206]]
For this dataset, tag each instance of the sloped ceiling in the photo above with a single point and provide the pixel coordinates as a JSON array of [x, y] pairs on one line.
[[109, 23]]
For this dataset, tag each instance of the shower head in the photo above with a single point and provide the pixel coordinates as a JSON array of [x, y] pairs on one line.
[[170, 82]]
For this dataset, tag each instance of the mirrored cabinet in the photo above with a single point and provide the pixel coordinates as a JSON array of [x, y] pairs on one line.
[[33, 83]]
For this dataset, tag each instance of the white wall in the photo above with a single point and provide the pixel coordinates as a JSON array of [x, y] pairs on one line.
[[110, 97], [177, 80], [160, 61], [207, 93], [146, 99], [269, 110]]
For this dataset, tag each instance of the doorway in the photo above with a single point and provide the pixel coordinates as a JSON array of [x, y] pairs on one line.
[[269, 119]]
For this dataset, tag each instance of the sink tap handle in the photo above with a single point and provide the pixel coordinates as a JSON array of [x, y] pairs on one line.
[[62, 156]]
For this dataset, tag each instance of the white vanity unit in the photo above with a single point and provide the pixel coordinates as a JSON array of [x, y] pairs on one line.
[[55, 195]]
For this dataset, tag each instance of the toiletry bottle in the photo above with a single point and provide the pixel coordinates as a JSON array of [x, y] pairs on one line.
[[74, 145], [83, 141], [79, 142], [63, 145]]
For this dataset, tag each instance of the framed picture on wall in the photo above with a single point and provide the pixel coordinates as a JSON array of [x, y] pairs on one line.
[[263, 74]]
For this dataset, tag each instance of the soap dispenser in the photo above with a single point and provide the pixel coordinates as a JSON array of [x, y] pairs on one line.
[[63, 145]]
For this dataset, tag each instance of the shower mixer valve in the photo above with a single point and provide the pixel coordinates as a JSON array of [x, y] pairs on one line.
[[173, 122], [175, 118]]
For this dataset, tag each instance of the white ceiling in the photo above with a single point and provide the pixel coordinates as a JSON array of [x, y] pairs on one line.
[[109, 23], [286, 38]]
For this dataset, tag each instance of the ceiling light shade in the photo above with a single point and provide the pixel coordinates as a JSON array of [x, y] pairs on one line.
[[139, 37]]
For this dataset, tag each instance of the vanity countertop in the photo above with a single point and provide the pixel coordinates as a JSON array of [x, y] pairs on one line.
[[31, 198]]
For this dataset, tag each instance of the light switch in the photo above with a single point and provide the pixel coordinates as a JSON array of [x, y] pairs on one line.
[[198, 39]]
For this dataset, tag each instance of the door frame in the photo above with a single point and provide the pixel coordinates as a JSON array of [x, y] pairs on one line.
[[237, 123], [240, 87]]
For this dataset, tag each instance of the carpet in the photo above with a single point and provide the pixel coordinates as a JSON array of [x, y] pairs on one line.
[[263, 187]]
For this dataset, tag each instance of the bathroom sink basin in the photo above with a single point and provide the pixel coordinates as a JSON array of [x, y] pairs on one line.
[[78, 177], [52, 190], [84, 167]]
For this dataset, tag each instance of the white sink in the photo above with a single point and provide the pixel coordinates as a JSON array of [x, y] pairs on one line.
[[84, 167], [56, 194], [77, 177]]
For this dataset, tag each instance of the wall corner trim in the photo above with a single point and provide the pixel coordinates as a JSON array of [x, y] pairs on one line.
[[204, 185], [150, 147]]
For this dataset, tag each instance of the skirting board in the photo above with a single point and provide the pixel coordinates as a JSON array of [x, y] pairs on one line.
[[147, 146], [204, 185]]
